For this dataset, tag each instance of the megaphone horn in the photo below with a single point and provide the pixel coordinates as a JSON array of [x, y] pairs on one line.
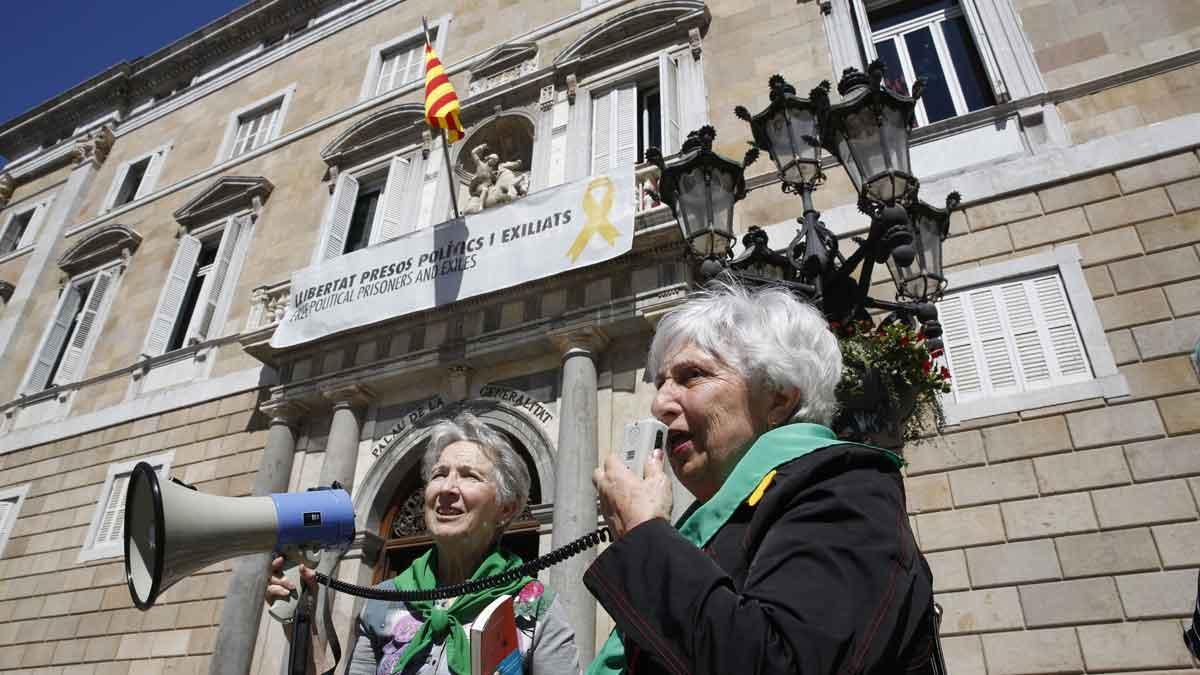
[[172, 531]]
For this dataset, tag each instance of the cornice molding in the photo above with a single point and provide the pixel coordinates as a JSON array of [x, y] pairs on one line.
[[114, 242], [373, 134], [614, 39], [226, 196]]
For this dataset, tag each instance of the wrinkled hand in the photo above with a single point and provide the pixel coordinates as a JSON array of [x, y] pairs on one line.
[[628, 501], [280, 587]]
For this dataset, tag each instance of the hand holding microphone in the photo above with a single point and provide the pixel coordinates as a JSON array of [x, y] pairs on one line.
[[627, 499]]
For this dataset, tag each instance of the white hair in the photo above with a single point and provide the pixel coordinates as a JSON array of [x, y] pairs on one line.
[[509, 472], [771, 338]]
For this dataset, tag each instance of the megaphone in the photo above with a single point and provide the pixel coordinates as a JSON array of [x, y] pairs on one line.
[[172, 530]]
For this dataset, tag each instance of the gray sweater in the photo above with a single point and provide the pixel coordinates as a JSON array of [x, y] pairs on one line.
[[547, 642]]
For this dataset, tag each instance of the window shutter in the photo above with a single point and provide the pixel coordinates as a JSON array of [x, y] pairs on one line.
[[602, 132], [171, 299], [992, 343], [341, 210], [73, 359], [6, 511], [956, 335], [416, 64], [1065, 346], [112, 523], [150, 178], [669, 101], [35, 224], [214, 282], [984, 47], [625, 120], [122, 171], [392, 213], [68, 305], [1031, 356]]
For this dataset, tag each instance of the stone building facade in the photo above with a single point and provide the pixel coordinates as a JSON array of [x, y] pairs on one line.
[[151, 219]]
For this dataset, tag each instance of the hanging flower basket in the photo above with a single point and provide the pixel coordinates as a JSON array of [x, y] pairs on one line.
[[890, 385]]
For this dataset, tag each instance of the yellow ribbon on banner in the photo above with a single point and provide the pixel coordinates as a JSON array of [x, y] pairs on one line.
[[597, 217]]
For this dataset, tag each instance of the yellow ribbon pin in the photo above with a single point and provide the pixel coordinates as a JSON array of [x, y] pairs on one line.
[[597, 217], [757, 495]]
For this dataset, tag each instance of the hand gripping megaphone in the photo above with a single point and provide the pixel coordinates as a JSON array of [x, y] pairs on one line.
[[172, 530]]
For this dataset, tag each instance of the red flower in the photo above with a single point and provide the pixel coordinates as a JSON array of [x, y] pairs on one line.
[[903, 340], [927, 366], [945, 373], [920, 334], [937, 352]]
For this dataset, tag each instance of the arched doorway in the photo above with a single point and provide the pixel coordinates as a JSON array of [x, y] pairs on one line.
[[403, 531]]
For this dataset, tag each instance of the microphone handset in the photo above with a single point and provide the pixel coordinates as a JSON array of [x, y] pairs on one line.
[[640, 439]]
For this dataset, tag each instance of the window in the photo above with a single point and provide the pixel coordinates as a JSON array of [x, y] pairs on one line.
[[136, 178], [1024, 334], [255, 125], [198, 286], [11, 500], [401, 61], [400, 66], [630, 117], [105, 536], [71, 335], [370, 206], [21, 229], [255, 129]]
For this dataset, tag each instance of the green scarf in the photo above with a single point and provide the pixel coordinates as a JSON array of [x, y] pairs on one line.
[[699, 523], [447, 624]]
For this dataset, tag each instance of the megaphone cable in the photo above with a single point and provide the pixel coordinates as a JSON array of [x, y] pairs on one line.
[[530, 569]]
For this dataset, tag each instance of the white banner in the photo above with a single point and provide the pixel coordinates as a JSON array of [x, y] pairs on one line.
[[545, 233]]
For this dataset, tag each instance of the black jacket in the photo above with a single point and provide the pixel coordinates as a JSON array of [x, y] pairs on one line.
[[823, 575]]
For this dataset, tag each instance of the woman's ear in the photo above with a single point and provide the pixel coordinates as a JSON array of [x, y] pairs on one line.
[[783, 405], [508, 513]]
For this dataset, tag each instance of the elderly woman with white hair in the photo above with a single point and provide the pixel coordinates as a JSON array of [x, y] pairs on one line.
[[797, 556], [475, 485]]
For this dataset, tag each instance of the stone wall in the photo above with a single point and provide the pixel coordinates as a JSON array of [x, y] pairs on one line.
[[57, 614], [1067, 538]]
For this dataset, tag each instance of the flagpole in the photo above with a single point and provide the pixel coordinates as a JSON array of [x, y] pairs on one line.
[[442, 135], [449, 172]]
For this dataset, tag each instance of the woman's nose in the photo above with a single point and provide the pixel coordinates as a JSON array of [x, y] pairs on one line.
[[665, 406]]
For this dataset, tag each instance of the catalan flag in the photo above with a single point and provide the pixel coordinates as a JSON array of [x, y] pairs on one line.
[[441, 103]]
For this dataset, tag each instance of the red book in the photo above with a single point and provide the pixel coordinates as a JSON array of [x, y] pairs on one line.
[[494, 645]]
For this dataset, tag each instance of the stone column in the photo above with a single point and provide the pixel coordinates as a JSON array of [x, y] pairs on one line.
[[458, 383], [574, 496], [243, 608], [88, 155]]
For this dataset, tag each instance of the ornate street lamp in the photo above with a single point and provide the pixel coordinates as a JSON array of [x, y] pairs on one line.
[[922, 279], [868, 131], [789, 131], [701, 187]]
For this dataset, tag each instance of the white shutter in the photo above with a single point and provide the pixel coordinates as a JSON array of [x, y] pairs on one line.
[[625, 124], [669, 103], [992, 342], [112, 522], [416, 63], [214, 282], [392, 216], [122, 171], [341, 210], [150, 178], [602, 132], [171, 298], [6, 511], [1070, 360], [1031, 356], [35, 224], [960, 355], [52, 345], [73, 359]]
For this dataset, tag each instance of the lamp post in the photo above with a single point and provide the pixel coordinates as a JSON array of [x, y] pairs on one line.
[[868, 132]]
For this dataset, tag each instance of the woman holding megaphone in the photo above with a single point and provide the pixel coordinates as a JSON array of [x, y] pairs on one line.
[[797, 555], [475, 485]]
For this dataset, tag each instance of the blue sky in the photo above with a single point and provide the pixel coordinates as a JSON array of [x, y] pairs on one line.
[[48, 46]]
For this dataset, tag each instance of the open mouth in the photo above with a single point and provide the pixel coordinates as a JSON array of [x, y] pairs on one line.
[[448, 511], [678, 442]]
